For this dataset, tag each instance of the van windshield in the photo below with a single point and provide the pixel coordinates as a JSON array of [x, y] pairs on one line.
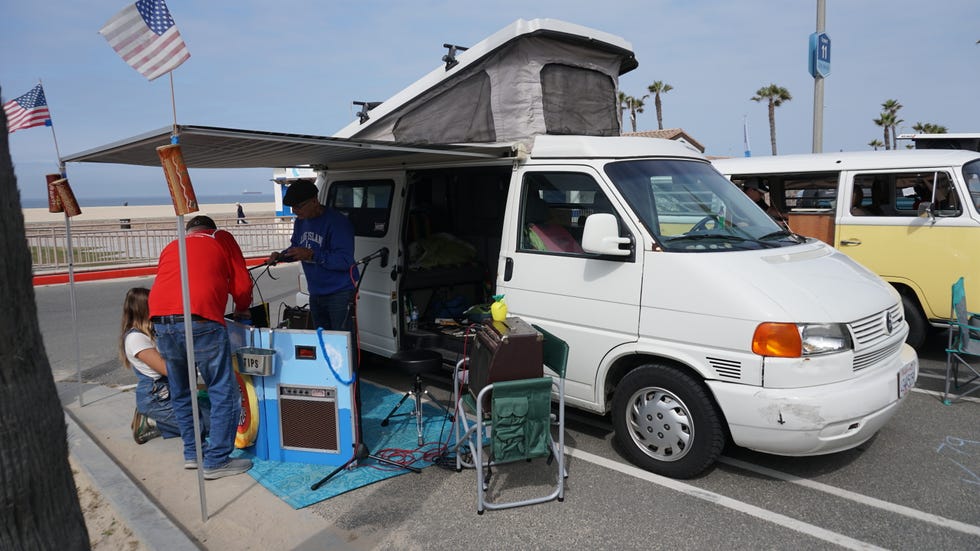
[[689, 207]]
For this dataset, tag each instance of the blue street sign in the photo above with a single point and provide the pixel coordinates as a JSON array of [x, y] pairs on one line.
[[819, 59]]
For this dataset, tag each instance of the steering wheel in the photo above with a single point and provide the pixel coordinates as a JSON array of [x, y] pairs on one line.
[[708, 223]]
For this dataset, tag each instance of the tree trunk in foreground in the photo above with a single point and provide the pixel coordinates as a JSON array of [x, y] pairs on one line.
[[38, 501]]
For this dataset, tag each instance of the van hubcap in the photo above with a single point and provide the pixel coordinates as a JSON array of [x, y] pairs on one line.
[[660, 424]]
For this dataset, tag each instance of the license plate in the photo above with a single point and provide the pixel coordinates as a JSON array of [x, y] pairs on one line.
[[906, 380]]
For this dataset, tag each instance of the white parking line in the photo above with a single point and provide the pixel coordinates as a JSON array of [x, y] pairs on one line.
[[860, 498], [940, 395], [718, 499]]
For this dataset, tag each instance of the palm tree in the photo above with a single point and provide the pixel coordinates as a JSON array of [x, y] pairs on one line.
[[876, 143], [929, 128], [634, 105], [892, 106], [775, 96], [886, 121], [39, 503], [657, 88]]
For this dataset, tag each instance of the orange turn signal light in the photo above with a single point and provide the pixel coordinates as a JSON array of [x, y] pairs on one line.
[[780, 340]]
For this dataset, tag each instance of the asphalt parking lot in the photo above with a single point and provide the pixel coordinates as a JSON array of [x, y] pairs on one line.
[[915, 485]]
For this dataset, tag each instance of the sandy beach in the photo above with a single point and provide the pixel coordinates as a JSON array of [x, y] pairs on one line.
[[143, 212]]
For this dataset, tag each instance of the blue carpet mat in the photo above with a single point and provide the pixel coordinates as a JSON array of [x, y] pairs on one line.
[[397, 442]]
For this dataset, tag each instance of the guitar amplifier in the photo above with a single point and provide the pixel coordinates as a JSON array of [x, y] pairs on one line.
[[504, 351]]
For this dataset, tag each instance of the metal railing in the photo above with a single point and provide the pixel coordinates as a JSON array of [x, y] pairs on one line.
[[134, 243]]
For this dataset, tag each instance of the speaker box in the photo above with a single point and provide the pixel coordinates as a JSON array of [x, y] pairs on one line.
[[308, 418]]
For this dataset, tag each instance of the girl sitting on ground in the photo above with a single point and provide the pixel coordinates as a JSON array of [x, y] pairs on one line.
[[137, 349]]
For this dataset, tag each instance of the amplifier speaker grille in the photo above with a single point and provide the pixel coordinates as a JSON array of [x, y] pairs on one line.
[[308, 423]]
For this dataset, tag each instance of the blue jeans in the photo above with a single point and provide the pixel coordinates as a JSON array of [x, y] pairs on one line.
[[331, 311], [153, 400], [212, 354]]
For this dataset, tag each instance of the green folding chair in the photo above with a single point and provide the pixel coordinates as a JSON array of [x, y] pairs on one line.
[[964, 342], [516, 428]]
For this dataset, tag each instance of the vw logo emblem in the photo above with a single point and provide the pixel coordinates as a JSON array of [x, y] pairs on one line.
[[888, 324]]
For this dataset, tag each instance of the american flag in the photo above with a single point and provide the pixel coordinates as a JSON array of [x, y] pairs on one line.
[[145, 36], [29, 110]]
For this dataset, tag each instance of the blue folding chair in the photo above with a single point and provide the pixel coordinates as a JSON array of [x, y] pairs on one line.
[[964, 342]]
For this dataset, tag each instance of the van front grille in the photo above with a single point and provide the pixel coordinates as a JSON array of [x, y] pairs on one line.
[[876, 327], [872, 357]]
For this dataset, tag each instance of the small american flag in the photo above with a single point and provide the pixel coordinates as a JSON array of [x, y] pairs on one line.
[[29, 110], [145, 36]]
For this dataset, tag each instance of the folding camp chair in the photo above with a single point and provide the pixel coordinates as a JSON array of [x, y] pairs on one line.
[[517, 426], [964, 341]]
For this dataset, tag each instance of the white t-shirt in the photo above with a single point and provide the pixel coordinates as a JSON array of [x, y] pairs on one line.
[[137, 342]]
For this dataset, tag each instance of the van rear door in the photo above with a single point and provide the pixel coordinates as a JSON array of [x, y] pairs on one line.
[[374, 205]]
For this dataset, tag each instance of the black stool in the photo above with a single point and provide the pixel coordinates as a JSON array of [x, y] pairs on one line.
[[416, 362]]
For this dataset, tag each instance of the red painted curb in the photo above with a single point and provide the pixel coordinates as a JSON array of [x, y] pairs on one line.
[[117, 273]]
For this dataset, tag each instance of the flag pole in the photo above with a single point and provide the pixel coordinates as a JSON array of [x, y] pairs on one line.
[[71, 259], [173, 103], [176, 182], [53, 135], [71, 297]]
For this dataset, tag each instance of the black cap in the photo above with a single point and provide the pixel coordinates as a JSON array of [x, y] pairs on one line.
[[755, 183], [299, 191], [200, 221]]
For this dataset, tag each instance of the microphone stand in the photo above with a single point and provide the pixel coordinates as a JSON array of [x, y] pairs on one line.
[[361, 451]]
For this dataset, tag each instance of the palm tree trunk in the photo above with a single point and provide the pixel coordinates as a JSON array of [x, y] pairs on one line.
[[38, 501], [887, 142], [660, 114], [772, 125]]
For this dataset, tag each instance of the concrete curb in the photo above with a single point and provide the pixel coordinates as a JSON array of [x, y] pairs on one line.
[[147, 522]]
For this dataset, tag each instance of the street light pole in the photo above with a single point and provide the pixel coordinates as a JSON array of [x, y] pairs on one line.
[[818, 86]]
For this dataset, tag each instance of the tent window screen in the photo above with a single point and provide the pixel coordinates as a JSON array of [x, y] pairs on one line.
[[460, 114], [578, 101]]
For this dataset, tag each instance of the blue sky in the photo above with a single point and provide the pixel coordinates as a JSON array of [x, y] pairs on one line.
[[296, 65]]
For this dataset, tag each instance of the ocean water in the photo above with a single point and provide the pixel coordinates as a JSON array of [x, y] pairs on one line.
[[244, 198]]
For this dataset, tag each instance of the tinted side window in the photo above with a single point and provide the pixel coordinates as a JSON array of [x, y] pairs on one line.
[[367, 203]]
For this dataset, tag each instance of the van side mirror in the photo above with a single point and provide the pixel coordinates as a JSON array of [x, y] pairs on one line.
[[925, 211], [601, 236]]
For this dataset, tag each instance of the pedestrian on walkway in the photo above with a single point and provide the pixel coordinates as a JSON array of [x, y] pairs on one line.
[[215, 269], [137, 350], [241, 214]]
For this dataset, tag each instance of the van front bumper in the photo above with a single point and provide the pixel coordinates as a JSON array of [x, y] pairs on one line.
[[814, 420]]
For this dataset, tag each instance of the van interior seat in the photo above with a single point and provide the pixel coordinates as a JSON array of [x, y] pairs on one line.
[[543, 235]]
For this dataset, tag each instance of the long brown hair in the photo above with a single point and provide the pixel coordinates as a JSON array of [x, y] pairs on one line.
[[135, 315]]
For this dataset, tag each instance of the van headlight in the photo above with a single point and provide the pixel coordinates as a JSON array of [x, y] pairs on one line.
[[795, 340]]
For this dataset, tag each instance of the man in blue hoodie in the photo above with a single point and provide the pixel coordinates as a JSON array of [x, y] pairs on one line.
[[323, 240]]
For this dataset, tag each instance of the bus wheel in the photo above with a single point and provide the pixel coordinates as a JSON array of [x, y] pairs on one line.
[[665, 422]]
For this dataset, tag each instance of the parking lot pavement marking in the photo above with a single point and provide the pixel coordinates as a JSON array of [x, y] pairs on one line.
[[718, 499], [940, 395], [854, 496]]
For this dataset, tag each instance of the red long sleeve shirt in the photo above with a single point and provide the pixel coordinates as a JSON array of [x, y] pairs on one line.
[[215, 269]]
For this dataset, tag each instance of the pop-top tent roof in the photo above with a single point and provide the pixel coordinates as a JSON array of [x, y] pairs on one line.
[[542, 76]]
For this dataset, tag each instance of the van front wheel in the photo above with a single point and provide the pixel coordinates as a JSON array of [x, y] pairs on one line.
[[665, 422], [917, 322]]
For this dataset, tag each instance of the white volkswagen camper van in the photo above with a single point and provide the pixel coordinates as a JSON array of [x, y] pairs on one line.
[[689, 314]]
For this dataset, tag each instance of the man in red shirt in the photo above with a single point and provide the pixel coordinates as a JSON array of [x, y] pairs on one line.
[[215, 269]]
